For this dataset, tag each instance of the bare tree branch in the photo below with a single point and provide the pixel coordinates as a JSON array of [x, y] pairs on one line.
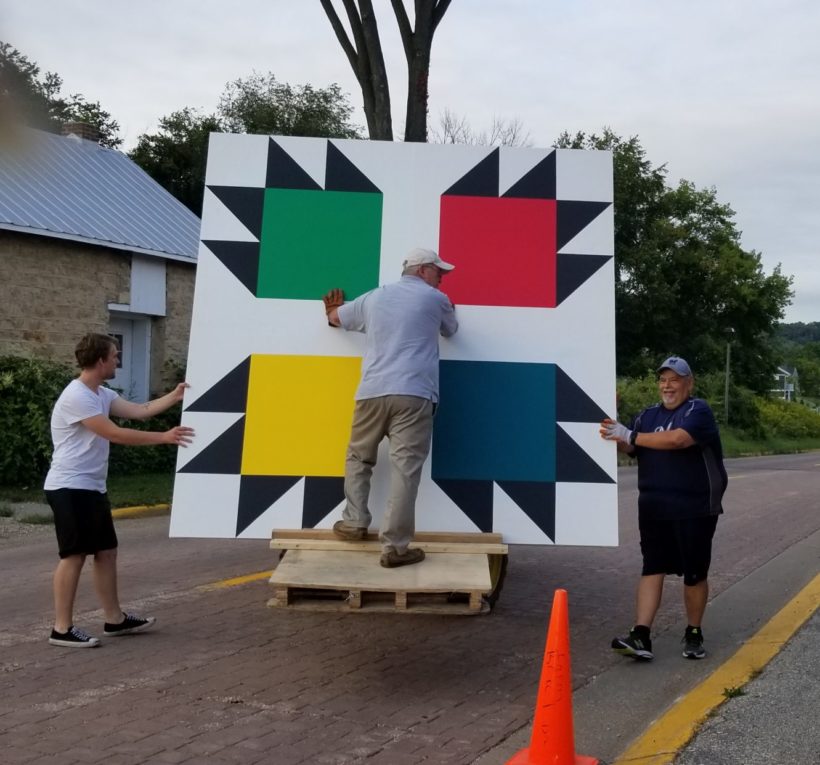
[[439, 11], [455, 129], [341, 34], [405, 30], [367, 62]]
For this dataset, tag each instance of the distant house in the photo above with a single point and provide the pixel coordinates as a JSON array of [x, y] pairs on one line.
[[90, 243], [785, 383]]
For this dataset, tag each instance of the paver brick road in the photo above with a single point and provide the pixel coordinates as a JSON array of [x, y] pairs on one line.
[[224, 679]]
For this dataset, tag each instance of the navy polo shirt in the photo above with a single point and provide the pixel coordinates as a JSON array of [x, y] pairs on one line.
[[680, 483]]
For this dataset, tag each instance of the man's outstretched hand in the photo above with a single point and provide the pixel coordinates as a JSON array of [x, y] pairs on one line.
[[614, 431], [333, 300]]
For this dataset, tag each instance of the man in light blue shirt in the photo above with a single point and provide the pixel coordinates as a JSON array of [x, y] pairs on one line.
[[396, 396]]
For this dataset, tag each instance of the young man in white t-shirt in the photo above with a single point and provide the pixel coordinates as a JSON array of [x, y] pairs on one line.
[[75, 485]]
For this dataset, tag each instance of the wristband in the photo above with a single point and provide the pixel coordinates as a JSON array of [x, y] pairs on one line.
[[633, 437]]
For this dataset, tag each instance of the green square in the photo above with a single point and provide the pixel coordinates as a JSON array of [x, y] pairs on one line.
[[313, 241]]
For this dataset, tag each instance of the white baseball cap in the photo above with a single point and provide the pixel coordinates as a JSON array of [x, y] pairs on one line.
[[421, 257]]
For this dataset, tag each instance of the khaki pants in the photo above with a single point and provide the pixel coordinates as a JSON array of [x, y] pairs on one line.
[[407, 421]]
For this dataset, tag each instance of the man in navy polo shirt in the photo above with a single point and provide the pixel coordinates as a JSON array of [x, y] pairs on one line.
[[681, 481]]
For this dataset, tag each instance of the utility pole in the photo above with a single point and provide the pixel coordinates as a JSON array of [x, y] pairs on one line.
[[726, 385]]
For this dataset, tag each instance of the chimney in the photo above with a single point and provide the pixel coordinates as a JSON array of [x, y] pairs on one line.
[[81, 130]]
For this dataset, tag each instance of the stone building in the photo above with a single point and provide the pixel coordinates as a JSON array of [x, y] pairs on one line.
[[90, 243]]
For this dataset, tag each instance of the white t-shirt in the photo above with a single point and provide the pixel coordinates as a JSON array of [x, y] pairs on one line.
[[80, 459]]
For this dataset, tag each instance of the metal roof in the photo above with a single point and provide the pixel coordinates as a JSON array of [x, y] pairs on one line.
[[70, 188]]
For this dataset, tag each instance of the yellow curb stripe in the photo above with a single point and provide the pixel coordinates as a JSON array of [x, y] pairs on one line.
[[237, 580], [660, 744], [140, 511]]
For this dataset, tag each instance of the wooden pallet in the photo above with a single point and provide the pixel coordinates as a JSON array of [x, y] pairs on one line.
[[318, 572]]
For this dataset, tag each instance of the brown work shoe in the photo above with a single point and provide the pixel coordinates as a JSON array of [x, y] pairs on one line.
[[392, 559], [348, 533]]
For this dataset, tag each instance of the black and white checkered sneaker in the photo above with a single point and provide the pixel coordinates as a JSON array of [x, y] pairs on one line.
[[129, 625]]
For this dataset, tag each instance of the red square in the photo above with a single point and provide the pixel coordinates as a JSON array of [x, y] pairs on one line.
[[504, 250]]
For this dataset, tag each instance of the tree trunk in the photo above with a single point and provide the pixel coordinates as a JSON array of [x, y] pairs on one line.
[[417, 44], [364, 53], [418, 69]]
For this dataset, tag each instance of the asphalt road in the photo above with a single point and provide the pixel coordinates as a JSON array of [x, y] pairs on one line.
[[225, 679]]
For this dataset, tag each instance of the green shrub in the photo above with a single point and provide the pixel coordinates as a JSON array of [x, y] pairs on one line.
[[130, 460], [788, 419], [635, 394], [28, 390], [744, 405]]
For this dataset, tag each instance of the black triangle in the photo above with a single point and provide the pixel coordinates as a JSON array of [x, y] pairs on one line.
[[537, 500], [285, 173], [245, 203], [573, 271], [257, 493], [538, 183], [573, 464], [481, 181], [572, 404], [573, 217], [473, 498], [230, 394], [342, 175], [240, 258], [321, 496], [223, 456]]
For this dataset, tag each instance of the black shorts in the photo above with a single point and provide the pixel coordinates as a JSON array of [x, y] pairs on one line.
[[681, 547], [82, 520]]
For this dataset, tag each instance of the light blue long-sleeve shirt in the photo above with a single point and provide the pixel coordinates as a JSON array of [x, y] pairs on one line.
[[402, 322]]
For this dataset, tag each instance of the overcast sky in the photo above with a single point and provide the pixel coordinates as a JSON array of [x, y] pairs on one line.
[[724, 92]]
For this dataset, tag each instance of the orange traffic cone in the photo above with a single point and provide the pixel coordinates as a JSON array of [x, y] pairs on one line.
[[553, 737]]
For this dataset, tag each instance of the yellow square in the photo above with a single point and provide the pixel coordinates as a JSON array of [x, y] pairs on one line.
[[299, 413]]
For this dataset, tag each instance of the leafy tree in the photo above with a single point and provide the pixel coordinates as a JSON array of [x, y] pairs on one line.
[[798, 332], [175, 156], [805, 358], [261, 104], [364, 53], [76, 108], [35, 99], [684, 284], [22, 91]]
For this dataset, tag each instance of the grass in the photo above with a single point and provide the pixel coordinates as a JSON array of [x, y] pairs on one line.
[[6, 511], [733, 692], [737, 445], [123, 490], [37, 519]]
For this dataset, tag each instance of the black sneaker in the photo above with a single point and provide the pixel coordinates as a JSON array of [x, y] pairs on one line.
[[693, 644], [74, 638], [634, 646], [129, 625]]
